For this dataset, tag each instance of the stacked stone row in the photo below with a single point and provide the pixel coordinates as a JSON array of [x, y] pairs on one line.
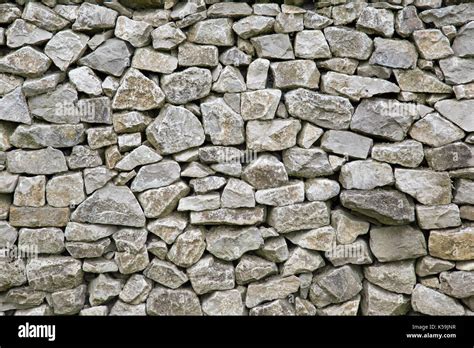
[[236, 158]]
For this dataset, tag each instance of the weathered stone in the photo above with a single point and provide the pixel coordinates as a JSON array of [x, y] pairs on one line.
[[190, 54], [301, 261], [45, 240], [280, 196], [210, 274], [416, 80], [187, 85], [230, 80], [432, 44], [295, 74], [85, 80], [221, 123], [435, 131], [306, 163], [376, 174], [162, 201], [162, 301], [167, 36], [377, 301], [299, 216], [135, 32], [22, 33], [104, 288], [165, 273], [43, 16], [257, 74], [65, 48], [68, 302], [429, 265], [432, 302], [407, 21], [253, 268], [94, 17], [397, 276], [228, 216], [346, 143], [451, 156], [136, 289], [273, 46], [237, 194], [212, 32], [260, 105], [455, 244], [30, 191], [54, 273], [148, 59], [44, 161], [321, 189], [230, 243], [462, 44], [26, 62], [188, 248], [457, 112], [376, 21], [349, 43], [156, 175], [253, 26], [112, 57], [311, 44], [271, 289], [204, 185], [440, 216], [279, 134], [458, 284], [325, 111], [227, 302]]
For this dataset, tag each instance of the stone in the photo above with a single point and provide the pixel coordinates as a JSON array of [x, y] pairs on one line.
[[274, 249], [377, 301], [228, 302], [54, 273], [295, 74], [30, 191], [346, 143], [393, 53], [397, 243], [136, 289], [326, 111], [216, 32], [253, 26], [104, 288], [458, 284], [156, 175], [229, 9], [462, 44], [200, 202], [136, 32], [252, 268], [376, 21], [142, 155], [10, 82], [386, 206], [355, 87], [450, 15], [14, 109], [457, 70], [280, 196], [211, 274], [435, 131], [273, 46], [138, 92], [188, 248], [396, 276], [301, 261], [376, 174], [165, 273], [464, 91], [271, 289], [221, 123], [44, 216], [167, 36], [457, 112], [429, 265], [408, 153], [237, 194], [43, 17], [190, 54], [45, 161], [22, 33], [306, 163], [25, 62], [65, 48], [230, 80], [441, 216], [432, 302], [432, 44], [45, 240], [68, 302], [207, 184], [281, 307], [118, 202], [94, 17], [321, 189], [451, 156], [85, 80], [112, 57], [308, 135], [299, 216], [187, 85], [230, 243], [279, 134], [348, 43], [257, 73], [407, 21], [167, 302], [229, 216], [9, 12], [426, 187], [162, 201], [83, 157], [463, 191], [260, 105], [416, 80], [311, 44], [383, 118], [454, 244]]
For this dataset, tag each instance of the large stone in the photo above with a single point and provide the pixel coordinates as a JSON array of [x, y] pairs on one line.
[[156, 175], [302, 260], [438, 216], [257, 74], [43, 135], [464, 191], [65, 48], [295, 74], [111, 205], [394, 54], [26, 62], [45, 240], [432, 44], [271, 289], [306, 163], [347, 226], [458, 284], [265, 172], [376, 21], [94, 17], [386, 206], [375, 174], [187, 85], [462, 44], [292, 193], [229, 9], [435, 131], [212, 32], [22, 33], [432, 302], [346, 143], [377, 301], [45, 161], [455, 244], [349, 43], [223, 125], [190, 54], [65, 190], [311, 44], [165, 273], [228, 302], [277, 46], [13, 107], [299, 217], [397, 243], [168, 302], [419, 81], [45, 216], [449, 15], [237, 194], [408, 153], [135, 32], [230, 243], [112, 57], [457, 112], [397, 276], [230, 80], [428, 265], [277, 134], [13, 273], [260, 104], [148, 59], [167, 36], [54, 273], [384, 118], [210, 274], [325, 111], [252, 268]]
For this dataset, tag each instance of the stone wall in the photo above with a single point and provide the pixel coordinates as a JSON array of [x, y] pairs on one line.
[[237, 158]]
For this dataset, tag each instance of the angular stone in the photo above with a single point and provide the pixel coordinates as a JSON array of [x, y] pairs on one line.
[[260, 105], [210, 274], [416, 80], [308, 135], [375, 174], [167, 36], [385, 118], [311, 44], [65, 48], [451, 156], [253, 26], [407, 153], [53, 273], [212, 32], [349, 43], [43, 16], [432, 44], [271, 289], [45, 240], [295, 74], [463, 191], [44, 161], [65, 190], [26, 62], [228, 216], [276, 46], [200, 202], [204, 185], [165, 273], [253, 268], [13, 108], [188, 248], [69, 302], [376, 21], [111, 205], [346, 143], [299, 216], [12, 273], [454, 244], [457, 112], [163, 301], [135, 32], [85, 80], [229, 9], [396, 277], [279, 134], [83, 157], [22, 33], [94, 17], [322, 110], [95, 178], [435, 131], [237, 194], [429, 265], [230, 80], [112, 57], [87, 232], [440, 216], [30, 191], [301, 261], [187, 85], [190, 54], [104, 288], [162, 201], [227, 302], [386, 206], [407, 21], [280, 196], [397, 243], [340, 65], [458, 284], [156, 175], [230, 243], [148, 59], [306, 163], [9, 12], [257, 73], [432, 302], [377, 301], [462, 44], [425, 186], [450, 15], [321, 189], [221, 123], [136, 289]]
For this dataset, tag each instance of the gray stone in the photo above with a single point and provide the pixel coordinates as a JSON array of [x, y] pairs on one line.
[[26, 62], [436, 131], [429, 265], [188, 247], [462, 44], [306, 163], [38, 216], [377, 301], [237, 194], [271, 289], [416, 80], [440, 216], [85, 80], [230, 243], [457, 112], [30, 191], [376, 21], [65, 48], [112, 57], [162, 301], [321, 189], [281, 307], [311, 44], [308, 135], [44, 161], [432, 302], [136, 289], [295, 74], [228, 302], [407, 21], [135, 32], [299, 216], [161, 201], [13, 107], [187, 85], [463, 191], [345, 42], [230, 80], [346, 143], [221, 123], [146, 58], [94, 17], [257, 74], [22, 33], [212, 32], [253, 268], [190, 54], [165, 273], [45, 240], [450, 15], [278, 134], [458, 284], [253, 26], [260, 105], [285, 195], [104, 288], [68, 302], [453, 244], [156, 175], [396, 277], [301, 261], [376, 174], [432, 44], [451, 156], [43, 16], [167, 36], [393, 53], [273, 46], [229, 216], [54, 273], [210, 274]]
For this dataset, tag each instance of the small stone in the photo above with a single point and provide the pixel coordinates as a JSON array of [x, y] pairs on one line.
[[142, 155], [253, 26], [230, 80], [274, 288], [435, 131], [188, 248], [301, 261], [228, 216], [308, 135], [156, 175], [322, 238], [321, 189], [167, 36], [457, 284], [190, 54], [83, 157], [9, 12], [168, 228], [376, 174], [416, 80], [408, 153], [346, 143], [165, 273], [273, 46], [85, 80], [135, 32], [463, 191], [221, 123], [274, 249], [377, 301], [322, 110], [167, 302], [187, 85], [257, 74], [237, 193], [432, 302], [451, 15], [420, 185], [210, 274], [279, 134], [440, 216], [288, 22], [429, 265], [295, 74], [230, 243], [162, 201], [311, 44], [212, 32], [94, 17], [394, 54], [112, 57], [306, 163], [299, 216], [253, 268], [397, 243], [376, 21], [227, 302], [349, 43], [280, 196], [432, 44], [45, 240], [26, 62]]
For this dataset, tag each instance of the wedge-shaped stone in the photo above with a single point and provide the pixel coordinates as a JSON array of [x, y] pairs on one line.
[[135, 32], [94, 17], [427, 187], [449, 15], [347, 226], [210, 274], [112, 57], [187, 85], [140, 156], [13, 107], [65, 48], [114, 205], [271, 289], [167, 36], [418, 81], [161, 201], [457, 70], [188, 248], [311, 44], [299, 217], [322, 238], [223, 125], [397, 243], [54, 273], [79, 232], [455, 244], [252, 268], [22, 33], [435, 131], [386, 206], [259, 105], [275, 135], [229, 216], [237, 194], [165, 273], [457, 112], [462, 44], [377, 301], [428, 265], [302, 261], [26, 62], [322, 110], [432, 302], [376, 21], [283, 195]]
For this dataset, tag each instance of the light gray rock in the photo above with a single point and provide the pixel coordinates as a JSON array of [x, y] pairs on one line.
[[44, 161], [451, 156], [440, 216], [54, 273], [187, 85], [301, 261], [163, 301], [230, 80], [211, 274], [25, 62], [311, 44], [167, 36], [162, 201], [458, 284], [216, 32], [165, 273], [229, 216], [230, 243], [104, 288], [253, 268], [408, 153], [43, 16], [396, 276], [22, 33], [377, 301], [65, 48], [228, 302], [188, 248], [429, 265], [346, 143], [432, 302], [308, 135], [261, 104], [295, 74], [237, 194], [253, 26], [136, 32], [462, 44], [435, 131], [306, 163], [419, 81], [376, 21], [200, 202], [112, 57], [65, 190], [432, 44], [190, 54], [223, 125], [257, 73], [136, 289], [284, 195], [45, 240], [271, 289], [321, 189], [456, 111], [273, 46], [278, 134], [13, 107], [407, 21], [349, 43], [68, 302], [146, 58], [299, 216]]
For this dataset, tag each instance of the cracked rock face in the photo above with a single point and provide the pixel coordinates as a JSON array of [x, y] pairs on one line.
[[163, 157]]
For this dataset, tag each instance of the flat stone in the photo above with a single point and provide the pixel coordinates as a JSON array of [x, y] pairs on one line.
[[463, 191], [190, 54], [322, 238], [13, 273], [200, 202], [253, 26], [321, 189], [42, 135], [26, 62], [85, 80], [116, 204], [274, 288], [450, 15], [237, 194], [260, 105], [451, 156], [386, 206], [54, 273], [230, 80], [458, 284], [322, 110], [229, 9], [30, 191], [432, 44], [376, 21], [167, 302], [435, 131], [382, 118], [462, 44], [396, 276], [69, 302], [299, 216], [156, 175], [306, 163], [65, 48], [273, 46], [302, 261], [280, 196], [165, 273], [393, 53], [43, 17], [22, 33], [377, 301], [279, 134], [229, 216], [419, 81], [45, 161], [375, 174], [230, 243], [429, 265], [408, 153], [45, 240], [13, 107], [295, 74], [161, 201], [216, 32], [136, 32], [427, 187], [187, 85], [432, 302], [253, 268], [228, 302], [188, 248], [457, 112], [397, 243], [346, 143], [440, 216], [112, 57], [146, 58], [348, 43], [168, 228], [211, 274], [454, 244]]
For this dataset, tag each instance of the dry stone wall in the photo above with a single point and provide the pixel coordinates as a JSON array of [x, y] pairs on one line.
[[225, 158]]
